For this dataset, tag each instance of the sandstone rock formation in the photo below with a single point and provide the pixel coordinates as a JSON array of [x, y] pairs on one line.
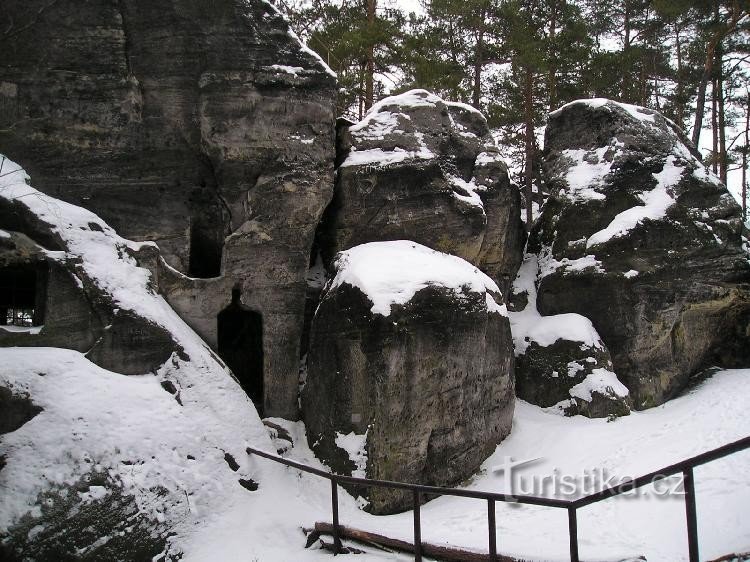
[[410, 369], [560, 359], [94, 464], [641, 239], [205, 127], [423, 169]]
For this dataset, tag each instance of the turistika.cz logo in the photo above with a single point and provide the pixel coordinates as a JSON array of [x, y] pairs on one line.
[[557, 484]]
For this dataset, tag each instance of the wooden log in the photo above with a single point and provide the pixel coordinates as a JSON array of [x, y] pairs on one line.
[[446, 553]]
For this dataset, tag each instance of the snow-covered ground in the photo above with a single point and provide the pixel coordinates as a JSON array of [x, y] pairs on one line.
[[266, 526]]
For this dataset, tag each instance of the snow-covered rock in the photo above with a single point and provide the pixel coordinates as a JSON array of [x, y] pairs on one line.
[[640, 238], [409, 368], [424, 169], [561, 361], [95, 463], [207, 128]]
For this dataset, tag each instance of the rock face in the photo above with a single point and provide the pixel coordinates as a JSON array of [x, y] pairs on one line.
[[94, 464], [205, 127], [560, 359], [409, 370], [419, 168], [641, 239]]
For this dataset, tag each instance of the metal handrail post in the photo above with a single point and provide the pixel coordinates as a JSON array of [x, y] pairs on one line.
[[573, 533], [690, 514], [335, 513], [417, 529], [492, 529]]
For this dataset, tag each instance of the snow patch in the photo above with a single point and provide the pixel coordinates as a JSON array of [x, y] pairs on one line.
[[600, 380], [355, 446], [655, 205], [393, 272], [529, 325]]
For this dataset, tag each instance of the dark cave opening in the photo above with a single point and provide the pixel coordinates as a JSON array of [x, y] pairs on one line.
[[22, 295], [206, 246], [240, 345]]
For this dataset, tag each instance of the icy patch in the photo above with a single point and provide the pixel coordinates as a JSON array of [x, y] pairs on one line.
[[602, 381], [393, 272], [4, 234], [631, 273], [356, 447], [529, 326]]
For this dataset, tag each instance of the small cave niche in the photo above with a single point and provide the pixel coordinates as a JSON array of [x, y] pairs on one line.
[[240, 345], [23, 291], [206, 247]]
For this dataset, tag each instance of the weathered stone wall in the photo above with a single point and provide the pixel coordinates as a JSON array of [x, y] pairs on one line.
[[203, 126]]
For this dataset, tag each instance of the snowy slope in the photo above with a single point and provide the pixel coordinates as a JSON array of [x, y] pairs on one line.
[[129, 429], [713, 414]]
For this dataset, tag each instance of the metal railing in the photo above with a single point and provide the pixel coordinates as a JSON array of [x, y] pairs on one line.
[[684, 467]]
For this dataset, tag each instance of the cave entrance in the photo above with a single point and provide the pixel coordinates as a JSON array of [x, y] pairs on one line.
[[240, 339], [206, 245], [22, 296]]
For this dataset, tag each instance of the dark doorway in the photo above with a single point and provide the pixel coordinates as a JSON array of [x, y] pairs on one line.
[[22, 295], [240, 332], [206, 246]]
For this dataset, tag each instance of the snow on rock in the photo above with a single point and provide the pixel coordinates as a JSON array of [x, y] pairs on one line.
[[600, 381], [355, 446], [528, 325], [393, 272], [639, 237], [419, 168], [162, 447], [547, 347], [655, 205]]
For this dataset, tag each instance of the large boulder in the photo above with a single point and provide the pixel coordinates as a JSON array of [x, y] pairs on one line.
[[639, 237], [423, 169], [409, 370], [96, 464], [205, 127], [561, 361]]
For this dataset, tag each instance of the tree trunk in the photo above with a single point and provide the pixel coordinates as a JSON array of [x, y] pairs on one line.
[[361, 95], [552, 75], [744, 156], [528, 99], [476, 95], [370, 72], [708, 67], [723, 160], [714, 131], [679, 101]]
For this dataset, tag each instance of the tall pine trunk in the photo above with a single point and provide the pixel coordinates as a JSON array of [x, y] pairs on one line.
[[476, 94], [370, 72], [744, 156], [552, 74], [708, 68], [723, 160], [679, 87], [528, 99], [714, 130]]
